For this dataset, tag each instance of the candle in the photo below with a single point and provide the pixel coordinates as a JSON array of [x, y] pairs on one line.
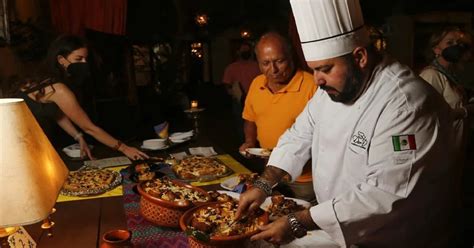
[[194, 104]]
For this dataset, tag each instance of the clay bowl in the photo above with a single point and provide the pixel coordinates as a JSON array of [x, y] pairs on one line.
[[163, 212], [218, 241]]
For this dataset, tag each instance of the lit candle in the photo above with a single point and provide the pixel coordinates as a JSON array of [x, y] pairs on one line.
[[194, 104]]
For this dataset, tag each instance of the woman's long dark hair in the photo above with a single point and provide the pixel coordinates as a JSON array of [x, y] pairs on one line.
[[49, 69], [62, 46]]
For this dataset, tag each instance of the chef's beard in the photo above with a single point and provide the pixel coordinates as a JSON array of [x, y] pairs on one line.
[[352, 86]]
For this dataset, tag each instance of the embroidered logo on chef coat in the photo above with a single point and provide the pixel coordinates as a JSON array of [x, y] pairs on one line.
[[404, 142], [359, 140]]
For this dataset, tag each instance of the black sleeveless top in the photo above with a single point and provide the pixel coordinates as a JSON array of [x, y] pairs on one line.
[[45, 113]]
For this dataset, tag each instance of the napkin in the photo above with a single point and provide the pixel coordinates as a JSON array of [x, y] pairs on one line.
[[182, 135], [204, 151], [108, 162], [179, 155]]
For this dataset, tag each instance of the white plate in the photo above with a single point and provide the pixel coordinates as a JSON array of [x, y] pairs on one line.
[[266, 204], [181, 135], [154, 149], [177, 141], [230, 183], [261, 152]]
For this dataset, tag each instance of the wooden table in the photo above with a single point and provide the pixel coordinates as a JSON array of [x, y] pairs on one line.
[[82, 223]]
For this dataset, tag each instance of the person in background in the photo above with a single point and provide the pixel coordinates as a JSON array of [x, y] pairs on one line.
[[379, 138], [53, 102], [237, 78], [274, 101], [449, 49]]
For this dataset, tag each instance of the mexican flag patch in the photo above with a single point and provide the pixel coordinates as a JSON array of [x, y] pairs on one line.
[[404, 142]]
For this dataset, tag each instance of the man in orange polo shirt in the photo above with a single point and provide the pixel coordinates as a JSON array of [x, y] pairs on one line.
[[275, 99]]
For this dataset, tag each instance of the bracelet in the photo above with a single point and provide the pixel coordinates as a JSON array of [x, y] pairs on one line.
[[263, 185], [77, 136], [118, 145], [465, 112], [298, 230]]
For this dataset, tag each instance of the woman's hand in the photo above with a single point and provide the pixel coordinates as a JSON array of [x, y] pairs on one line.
[[85, 151], [133, 153]]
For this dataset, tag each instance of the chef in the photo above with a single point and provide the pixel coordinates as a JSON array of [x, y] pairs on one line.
[[379, 139]]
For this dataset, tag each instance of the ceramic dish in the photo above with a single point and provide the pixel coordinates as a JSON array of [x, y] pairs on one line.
[[95, 191], [153, 168], [200, 169], [217, 241], [163, 212], [285, 206]]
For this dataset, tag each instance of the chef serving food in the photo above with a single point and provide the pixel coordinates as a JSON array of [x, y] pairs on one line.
[[378, 137]]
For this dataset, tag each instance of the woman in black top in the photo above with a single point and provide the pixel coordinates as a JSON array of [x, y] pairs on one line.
[[52, 101]]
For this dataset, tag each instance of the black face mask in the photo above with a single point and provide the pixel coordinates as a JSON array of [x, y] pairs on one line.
[[453, 53], [245, 55], [79, 73]]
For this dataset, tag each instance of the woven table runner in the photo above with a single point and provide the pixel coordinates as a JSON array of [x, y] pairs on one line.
[[144, 233]]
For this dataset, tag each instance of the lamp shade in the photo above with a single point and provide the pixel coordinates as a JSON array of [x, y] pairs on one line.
[[31, 171]]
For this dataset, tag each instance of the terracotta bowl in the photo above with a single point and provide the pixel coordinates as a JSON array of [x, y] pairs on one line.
[[166, 213], [218, 242]]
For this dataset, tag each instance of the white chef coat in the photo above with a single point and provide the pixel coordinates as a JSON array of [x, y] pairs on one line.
[[368, 193]]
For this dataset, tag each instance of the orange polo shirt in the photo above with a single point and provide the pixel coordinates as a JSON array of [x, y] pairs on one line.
[[273, 113]]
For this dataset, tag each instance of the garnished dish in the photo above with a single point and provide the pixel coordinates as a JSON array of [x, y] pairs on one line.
[[198, 168], [143, 171], [281, 206], [90, 181], [163, 201], [169, 190], [216, 221]]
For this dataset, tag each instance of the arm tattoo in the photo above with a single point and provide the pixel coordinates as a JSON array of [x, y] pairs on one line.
[[304, 217], [273, 175]]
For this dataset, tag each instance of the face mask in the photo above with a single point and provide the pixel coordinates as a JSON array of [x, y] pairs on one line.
[[245, 55], [79, 72], [453, 53]]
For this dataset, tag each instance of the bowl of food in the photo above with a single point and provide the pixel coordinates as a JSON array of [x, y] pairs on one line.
[[214, 225], [278, 206], [163, 201], [142, 171]]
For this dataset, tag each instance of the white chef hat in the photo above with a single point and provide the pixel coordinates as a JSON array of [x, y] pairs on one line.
[[329, 28]]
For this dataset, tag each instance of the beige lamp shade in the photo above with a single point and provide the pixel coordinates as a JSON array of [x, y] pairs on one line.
[[31, 171]]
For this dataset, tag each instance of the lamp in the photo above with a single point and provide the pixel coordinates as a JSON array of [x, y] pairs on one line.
[[193, 113], [31, 171]]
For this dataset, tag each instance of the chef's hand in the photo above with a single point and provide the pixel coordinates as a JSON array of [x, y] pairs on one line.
[[277, 232], [250, 201], [133, 153]]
